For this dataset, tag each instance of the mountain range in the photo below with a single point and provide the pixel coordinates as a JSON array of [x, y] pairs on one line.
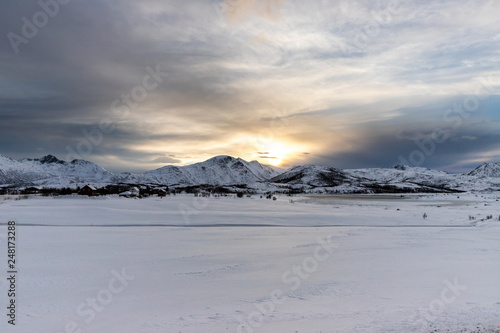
[[49, 171]]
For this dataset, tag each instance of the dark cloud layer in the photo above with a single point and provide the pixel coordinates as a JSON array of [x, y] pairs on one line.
[[239, 78]]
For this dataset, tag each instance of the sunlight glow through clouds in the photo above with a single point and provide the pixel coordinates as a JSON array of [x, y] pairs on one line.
[[274, 154]]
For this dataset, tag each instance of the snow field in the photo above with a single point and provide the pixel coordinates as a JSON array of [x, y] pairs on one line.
[[256, 265]]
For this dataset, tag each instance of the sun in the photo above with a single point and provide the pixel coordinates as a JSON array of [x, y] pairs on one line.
[[275, 161], [274, 154]]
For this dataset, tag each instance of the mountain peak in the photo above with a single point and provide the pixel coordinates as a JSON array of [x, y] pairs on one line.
[[401, 167], [488, 169], [222, 159], [50, 159]]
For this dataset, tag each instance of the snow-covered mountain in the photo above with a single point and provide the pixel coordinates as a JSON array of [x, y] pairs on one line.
[[219, 170], [403, 176], [320, 179], [399, 179], [313, 175], [49, 171], [486, 170]]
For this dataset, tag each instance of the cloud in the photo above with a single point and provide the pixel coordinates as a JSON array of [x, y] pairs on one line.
[[387, 143], [238, 10], [166, 159], [289, 70]]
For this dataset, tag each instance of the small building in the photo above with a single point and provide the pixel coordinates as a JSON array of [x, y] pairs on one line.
[[132, 193], [31, 190], [89, 190]]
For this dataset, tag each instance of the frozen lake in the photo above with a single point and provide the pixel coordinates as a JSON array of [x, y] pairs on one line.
[[185, 264]]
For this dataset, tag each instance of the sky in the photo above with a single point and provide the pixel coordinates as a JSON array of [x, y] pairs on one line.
[[136, 85]]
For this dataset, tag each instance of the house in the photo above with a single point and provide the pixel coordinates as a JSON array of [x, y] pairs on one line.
[[162, 193], [89, 190], [31, 190], [131, 193]]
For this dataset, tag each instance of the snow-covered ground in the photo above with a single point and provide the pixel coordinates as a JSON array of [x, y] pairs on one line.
[[317, 264]]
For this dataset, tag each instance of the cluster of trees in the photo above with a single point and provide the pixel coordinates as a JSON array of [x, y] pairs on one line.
[[145, 190], [41, 191]]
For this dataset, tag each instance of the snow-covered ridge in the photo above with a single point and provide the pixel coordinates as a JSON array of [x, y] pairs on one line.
[[400, 178], [313, 175], [219, 170], [51, 171], [226, 170], [486, 170]]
